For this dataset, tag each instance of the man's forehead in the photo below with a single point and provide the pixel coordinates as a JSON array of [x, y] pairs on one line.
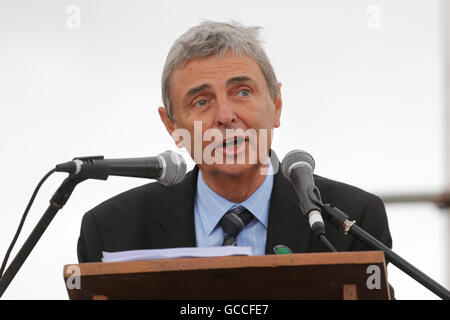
[[227, 69]]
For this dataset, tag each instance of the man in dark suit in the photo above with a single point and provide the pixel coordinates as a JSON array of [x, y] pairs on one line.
[[155, 216], [217, 78]]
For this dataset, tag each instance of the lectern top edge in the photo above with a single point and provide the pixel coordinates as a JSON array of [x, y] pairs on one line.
[[299, 259]]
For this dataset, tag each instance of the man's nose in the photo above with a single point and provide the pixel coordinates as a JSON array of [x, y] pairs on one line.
[[225, 114]]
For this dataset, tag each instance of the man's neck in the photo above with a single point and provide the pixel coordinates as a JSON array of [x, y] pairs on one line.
[[234, 188]]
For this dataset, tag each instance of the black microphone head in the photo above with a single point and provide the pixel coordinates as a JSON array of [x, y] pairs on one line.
[[294, 158], [174, 168]]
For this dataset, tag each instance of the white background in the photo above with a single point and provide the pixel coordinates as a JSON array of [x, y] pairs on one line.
[[362, 92]]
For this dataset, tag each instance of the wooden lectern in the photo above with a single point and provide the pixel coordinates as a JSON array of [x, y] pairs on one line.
[[343, 275]]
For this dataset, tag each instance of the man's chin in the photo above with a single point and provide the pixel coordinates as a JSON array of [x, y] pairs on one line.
[[234, 169]]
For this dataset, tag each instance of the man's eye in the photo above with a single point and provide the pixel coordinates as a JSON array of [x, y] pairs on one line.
[[201, 103], [244, 92]]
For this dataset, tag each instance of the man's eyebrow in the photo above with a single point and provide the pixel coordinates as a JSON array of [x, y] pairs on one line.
[[238, 79], [194, 91]]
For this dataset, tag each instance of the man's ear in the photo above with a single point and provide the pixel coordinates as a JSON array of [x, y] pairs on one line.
[[179, 135], [168, 123], [278, 106]]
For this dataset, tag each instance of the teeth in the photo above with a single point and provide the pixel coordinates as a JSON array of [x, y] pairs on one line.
[[236, 141]]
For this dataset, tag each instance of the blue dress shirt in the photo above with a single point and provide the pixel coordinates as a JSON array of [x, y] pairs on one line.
[[209, 208]]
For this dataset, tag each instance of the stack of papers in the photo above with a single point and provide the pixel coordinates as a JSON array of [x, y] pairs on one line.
[[151, 254]]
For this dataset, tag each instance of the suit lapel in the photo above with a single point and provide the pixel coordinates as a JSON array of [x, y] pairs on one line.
[[287, 225], [176, 221]]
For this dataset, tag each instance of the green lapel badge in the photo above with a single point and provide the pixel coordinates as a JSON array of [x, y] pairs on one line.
[[281, 249]]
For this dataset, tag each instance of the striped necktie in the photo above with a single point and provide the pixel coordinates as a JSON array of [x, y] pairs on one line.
[[232, 223]]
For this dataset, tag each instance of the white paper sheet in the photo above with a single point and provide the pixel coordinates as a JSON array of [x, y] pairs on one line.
[[151, 254]]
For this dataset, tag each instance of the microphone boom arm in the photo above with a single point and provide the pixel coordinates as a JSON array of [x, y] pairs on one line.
[[57, 202], [340, 220]]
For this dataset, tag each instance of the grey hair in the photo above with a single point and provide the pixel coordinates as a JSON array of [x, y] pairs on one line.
[[212, 38]]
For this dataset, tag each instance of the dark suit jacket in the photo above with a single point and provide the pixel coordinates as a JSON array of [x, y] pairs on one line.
[[155, 216]]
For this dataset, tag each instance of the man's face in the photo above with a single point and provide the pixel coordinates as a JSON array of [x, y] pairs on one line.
[[223, 93]]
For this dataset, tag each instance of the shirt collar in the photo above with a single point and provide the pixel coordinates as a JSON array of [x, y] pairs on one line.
[[215, 205]]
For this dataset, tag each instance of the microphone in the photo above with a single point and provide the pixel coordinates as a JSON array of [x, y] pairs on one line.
[[298, 166], [168, 168]]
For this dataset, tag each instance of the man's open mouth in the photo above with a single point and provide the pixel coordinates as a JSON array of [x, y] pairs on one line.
[[233, 146], [233, 142]]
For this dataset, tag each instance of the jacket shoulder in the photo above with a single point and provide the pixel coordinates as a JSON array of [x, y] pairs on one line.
[[133, 200], [366, 208], [335, 191], [126, 221], [356, 202]]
